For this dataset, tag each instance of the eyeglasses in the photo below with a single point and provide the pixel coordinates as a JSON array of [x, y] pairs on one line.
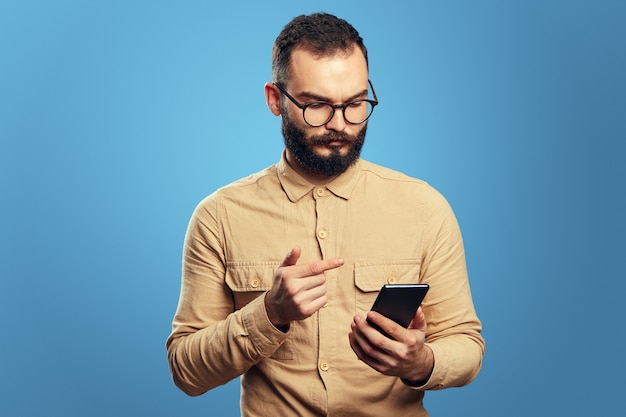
[[318, 113]]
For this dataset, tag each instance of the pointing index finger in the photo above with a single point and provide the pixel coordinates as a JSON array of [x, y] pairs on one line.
[[319, 267]]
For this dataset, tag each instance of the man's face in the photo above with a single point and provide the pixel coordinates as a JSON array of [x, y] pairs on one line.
[[330, 149]]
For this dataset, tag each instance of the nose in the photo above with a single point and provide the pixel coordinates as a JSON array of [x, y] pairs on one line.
[[337, 122]]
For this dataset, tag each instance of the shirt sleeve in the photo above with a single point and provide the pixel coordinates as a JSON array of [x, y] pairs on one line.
[[211, 343], [454, 330]]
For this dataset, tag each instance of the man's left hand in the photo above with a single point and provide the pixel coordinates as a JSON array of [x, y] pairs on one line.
[[403, 355]]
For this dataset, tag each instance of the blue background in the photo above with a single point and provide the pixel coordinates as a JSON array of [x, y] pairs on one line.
[[117, 117]]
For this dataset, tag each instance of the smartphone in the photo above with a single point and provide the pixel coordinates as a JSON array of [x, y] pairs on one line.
[[399, 302]]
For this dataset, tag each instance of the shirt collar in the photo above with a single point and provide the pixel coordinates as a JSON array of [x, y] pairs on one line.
[[296, 187]]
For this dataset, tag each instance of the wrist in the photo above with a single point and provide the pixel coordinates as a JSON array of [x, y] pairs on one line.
[[274, 317], [425, 371]]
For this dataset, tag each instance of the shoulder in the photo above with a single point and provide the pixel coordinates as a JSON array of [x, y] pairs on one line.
[[247, 188], [395, 179], [395, 187]]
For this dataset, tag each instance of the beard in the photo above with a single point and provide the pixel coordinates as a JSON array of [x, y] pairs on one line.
[[302, 148]]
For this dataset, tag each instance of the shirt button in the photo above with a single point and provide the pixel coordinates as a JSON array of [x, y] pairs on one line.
[[255, 282], [324, 366], [391, 280], [320, 192], [322, 234]]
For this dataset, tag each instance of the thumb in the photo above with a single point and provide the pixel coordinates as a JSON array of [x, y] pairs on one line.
[[292, 257], [419, 321]]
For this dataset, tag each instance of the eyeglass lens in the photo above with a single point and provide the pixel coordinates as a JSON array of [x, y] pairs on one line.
[[321, 113]]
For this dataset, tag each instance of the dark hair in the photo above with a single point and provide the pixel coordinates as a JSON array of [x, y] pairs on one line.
[[320, 33]]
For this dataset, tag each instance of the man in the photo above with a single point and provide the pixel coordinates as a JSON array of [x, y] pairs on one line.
[[294, 326]]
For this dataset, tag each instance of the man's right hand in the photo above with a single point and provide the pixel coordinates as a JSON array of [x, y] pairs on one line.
[[298, 290]]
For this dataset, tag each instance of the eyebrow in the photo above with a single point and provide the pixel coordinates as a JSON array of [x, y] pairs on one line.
[[317, 97]]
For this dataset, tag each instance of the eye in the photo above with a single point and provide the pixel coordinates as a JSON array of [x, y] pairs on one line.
[[357, 104], [317, 105]]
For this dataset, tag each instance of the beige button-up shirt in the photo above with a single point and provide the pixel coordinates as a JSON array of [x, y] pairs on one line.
[[388, 227]]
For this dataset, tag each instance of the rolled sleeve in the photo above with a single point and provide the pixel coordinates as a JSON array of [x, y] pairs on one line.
[[265, 337]]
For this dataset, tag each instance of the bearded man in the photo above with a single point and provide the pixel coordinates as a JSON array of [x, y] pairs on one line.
[[294, 326]]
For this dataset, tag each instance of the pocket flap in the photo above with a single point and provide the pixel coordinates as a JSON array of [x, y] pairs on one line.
[[250, 276], [370, 276]]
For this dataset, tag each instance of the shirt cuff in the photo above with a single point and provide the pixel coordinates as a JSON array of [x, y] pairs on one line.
[[265, 337], [436, 377]]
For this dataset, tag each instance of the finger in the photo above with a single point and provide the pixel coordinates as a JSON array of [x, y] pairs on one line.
[[312, 269], [356, 339], [292, 257], [310, 289], [319, 267], [371, 338], [314, 304], [356, 347], [393, 329], [419, 321], [364, 349]]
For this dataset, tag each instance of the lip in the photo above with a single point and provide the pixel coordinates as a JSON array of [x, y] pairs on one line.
[[337, 142]]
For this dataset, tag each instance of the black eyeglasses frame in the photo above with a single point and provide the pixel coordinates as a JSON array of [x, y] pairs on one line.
[[334, 107]]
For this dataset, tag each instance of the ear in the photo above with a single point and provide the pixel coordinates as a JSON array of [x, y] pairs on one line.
[[272, 98]]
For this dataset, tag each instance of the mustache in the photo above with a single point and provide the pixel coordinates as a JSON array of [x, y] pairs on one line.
[[331, 137]]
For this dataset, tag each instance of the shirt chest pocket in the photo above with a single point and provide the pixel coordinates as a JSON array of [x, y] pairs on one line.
[[248, 280], [369, 277]]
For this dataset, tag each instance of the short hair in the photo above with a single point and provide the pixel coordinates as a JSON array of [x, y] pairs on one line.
[[320, 33]]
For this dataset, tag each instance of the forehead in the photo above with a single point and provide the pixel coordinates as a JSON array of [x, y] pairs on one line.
[[336, 76]]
